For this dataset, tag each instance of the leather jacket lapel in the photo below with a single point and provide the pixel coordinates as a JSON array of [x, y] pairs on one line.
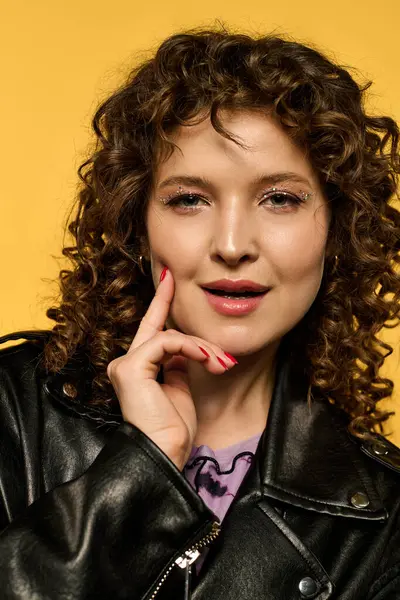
[[309, 458]]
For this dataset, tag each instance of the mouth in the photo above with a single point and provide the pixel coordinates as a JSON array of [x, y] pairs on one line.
[[234, 304], [234, 295]]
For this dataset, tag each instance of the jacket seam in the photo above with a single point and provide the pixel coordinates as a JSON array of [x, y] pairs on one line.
[[310, 499], [89, 413]]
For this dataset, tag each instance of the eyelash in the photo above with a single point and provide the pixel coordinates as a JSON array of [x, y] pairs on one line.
[[175, 199]]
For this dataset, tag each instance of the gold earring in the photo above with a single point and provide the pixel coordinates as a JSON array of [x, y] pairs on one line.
[[141, 259]]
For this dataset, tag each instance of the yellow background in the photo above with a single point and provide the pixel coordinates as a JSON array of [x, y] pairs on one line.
[[59, 59]]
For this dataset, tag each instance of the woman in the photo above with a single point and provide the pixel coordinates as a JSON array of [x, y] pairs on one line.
[[208, 395]]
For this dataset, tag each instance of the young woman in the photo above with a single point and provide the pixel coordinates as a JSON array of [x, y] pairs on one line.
[[201, 422]]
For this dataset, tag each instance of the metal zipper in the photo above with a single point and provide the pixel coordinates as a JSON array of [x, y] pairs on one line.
[[188, 557]]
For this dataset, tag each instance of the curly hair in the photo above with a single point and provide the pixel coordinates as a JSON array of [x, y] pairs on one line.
[[197, 72]]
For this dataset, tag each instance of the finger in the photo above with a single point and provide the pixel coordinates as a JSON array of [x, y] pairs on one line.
[[215, 350], [211, 351], [176, 373], [150, 355], [157, 312]]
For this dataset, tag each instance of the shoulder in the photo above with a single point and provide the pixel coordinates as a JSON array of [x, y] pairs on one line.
[[33, 398], [374, 457], [21, 379], [375, 452], [377, 462], [43, 440], [20, 385], [382, 451], [22, 359]]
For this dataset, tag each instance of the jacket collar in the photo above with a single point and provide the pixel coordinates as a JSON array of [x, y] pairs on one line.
[[305, 455], [308, 457]]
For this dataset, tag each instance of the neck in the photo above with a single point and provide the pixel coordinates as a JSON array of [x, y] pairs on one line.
[[233, 406]]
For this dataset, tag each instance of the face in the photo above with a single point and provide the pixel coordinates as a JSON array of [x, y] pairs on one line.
[[257, 213]]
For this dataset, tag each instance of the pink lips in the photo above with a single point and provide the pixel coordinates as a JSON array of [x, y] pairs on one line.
[[235, 285], [234, 306]]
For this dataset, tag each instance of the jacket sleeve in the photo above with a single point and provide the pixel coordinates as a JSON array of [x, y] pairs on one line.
[[387, 584], [386, 580], [112, 532]]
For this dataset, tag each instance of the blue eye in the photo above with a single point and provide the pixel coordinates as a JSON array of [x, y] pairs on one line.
[[283, 197], [289, 199], [180, 198], [184, 197]]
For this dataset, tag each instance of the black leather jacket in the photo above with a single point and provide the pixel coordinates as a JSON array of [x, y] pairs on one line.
[[91, 508]]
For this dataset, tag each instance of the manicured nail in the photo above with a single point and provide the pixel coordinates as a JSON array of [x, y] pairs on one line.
[[232, 358], [222, 363], [204, 351], [163, 273]]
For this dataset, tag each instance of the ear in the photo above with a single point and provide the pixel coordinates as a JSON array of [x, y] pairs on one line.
[[144, 248], [330, 251]]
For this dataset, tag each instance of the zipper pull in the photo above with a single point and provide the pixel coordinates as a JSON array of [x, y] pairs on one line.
[[188, 582], [186, 563], [188, 559]]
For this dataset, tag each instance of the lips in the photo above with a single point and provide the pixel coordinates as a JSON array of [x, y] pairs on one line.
[[234, 304], [231, 286], [232, 294]]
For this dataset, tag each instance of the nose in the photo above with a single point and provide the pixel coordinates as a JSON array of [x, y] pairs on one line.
[[235, 236]]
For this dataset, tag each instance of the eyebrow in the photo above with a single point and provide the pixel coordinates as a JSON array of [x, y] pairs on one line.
[[266, 179]]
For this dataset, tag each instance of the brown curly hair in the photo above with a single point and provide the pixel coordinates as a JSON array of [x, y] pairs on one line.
[[104, 295]]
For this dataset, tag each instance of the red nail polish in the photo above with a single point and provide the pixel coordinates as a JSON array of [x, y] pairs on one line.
[[222, 362], [232, 358], [204, 351], [163, 273]]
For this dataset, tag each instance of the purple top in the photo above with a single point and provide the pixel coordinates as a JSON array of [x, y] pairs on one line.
[[217, 475]]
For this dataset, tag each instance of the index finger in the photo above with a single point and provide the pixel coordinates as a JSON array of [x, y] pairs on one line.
[[157, 313]]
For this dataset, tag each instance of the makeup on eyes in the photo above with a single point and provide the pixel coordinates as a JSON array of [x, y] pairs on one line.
[[296, 198]]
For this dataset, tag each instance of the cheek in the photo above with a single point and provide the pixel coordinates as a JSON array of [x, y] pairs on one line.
[[298, 253], [297, 261], [181, 259], [175, 245]]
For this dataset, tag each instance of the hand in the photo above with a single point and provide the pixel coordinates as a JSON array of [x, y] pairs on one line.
[[164, 412]]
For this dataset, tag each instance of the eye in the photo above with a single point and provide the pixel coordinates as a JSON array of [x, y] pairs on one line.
[[283, 198], [188, 202], [181, 198]]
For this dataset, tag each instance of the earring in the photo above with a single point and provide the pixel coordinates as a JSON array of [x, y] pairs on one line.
[[141, 259], [336, 263]]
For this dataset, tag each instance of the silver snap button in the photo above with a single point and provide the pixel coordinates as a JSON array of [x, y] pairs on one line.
[[308, 587], [359, 500], [69, 390], [379, 449]]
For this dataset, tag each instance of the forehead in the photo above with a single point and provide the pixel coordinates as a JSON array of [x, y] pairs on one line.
[[267, 147]]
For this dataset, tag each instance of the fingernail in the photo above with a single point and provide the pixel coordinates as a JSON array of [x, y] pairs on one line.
[[204, 351], [222, 363], [232, 358], [163, 273]]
